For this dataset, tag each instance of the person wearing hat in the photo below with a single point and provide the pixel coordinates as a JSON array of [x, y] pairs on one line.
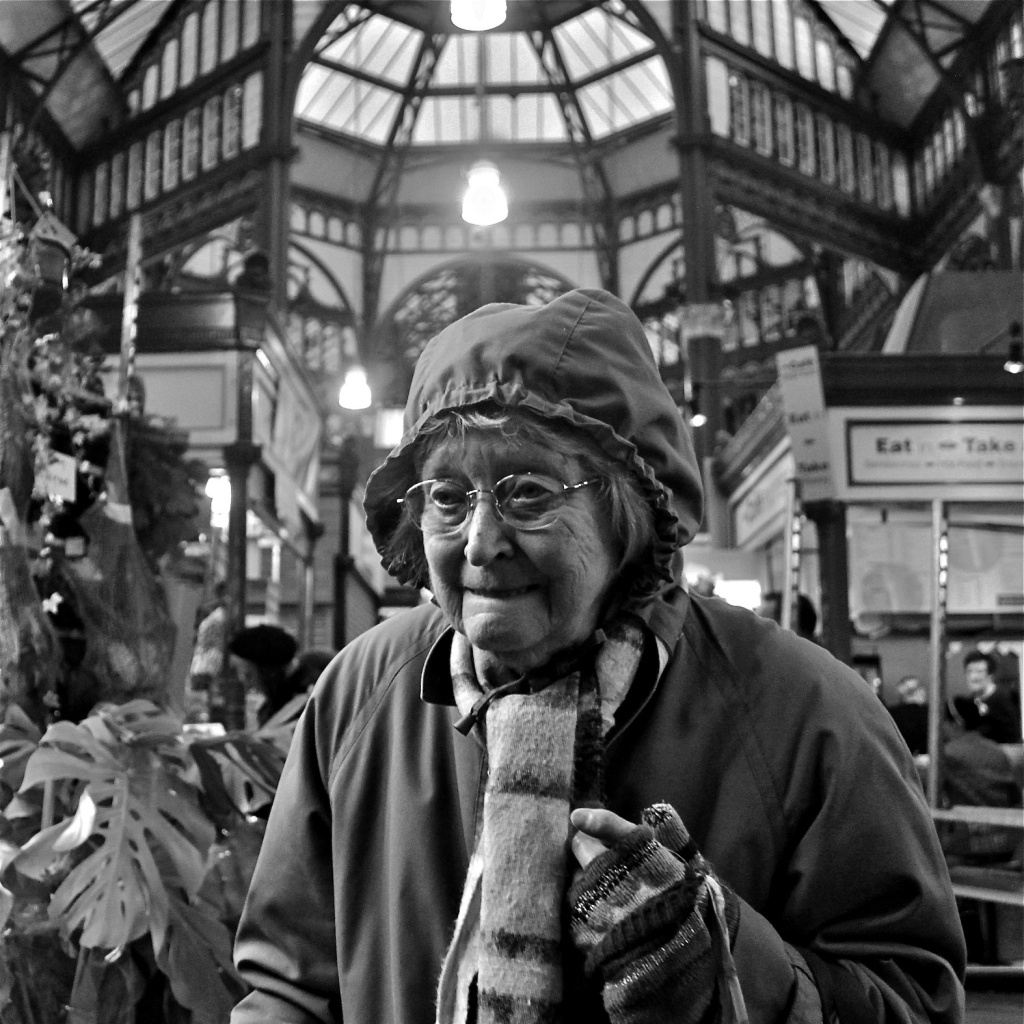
[[566, 789], [269, 650]]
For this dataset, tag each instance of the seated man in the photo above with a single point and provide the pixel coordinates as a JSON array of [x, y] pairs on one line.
[[987, 709]]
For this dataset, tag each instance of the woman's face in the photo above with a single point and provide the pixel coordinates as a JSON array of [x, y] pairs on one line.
[[518, 596]]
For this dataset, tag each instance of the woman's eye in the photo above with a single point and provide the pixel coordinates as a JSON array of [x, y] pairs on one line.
[[447, 496], [530, 492]]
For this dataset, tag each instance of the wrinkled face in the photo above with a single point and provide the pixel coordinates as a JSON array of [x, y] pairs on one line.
[[519, 596], [978, 679]]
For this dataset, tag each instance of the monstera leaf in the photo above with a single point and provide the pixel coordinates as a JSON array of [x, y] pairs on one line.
[[18, 738], [240, 771], [138, 835]]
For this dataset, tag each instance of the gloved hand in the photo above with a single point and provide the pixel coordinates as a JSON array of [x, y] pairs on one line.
[[656, 925]]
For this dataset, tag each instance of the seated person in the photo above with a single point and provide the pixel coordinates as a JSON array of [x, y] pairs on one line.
[[988, 709], [910, 713]]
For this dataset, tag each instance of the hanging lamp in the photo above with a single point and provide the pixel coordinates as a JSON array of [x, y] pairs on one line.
[[355, 390], [484, 202], [478, 15]]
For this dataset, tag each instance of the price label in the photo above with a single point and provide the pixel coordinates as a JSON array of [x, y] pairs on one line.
[[61, 471]]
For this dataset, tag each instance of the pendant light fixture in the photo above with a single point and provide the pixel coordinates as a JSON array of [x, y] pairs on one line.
[[478, 15], [355, 390], [484, 202]]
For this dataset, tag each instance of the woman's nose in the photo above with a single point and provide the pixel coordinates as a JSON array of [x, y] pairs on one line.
[[487, 536]]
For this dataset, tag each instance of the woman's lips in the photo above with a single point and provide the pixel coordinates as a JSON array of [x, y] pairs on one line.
[[497, 592]]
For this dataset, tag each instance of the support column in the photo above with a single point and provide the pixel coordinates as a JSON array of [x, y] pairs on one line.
[[274, 215], [227, 704], [348, 470], [829, 517], [698, 198]]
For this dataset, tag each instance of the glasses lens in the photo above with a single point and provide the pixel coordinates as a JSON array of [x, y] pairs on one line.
[[437, 505], [529, 501]]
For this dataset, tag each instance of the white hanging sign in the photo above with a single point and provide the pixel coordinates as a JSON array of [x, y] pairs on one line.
[[803, 404]]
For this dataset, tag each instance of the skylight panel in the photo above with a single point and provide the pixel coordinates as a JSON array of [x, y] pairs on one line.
[[511, 60], [379, 47], [130, 27], [626, 98], [860, 21], [593, 42]]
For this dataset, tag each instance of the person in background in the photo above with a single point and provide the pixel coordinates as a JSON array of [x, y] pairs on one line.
[[910, 713], [268, 650], [806, 615], [567, 789], [987, 709]]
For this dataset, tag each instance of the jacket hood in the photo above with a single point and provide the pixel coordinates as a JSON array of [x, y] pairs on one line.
[[583, 360]]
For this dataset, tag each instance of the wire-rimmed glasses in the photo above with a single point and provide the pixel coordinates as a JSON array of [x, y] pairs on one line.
[[525, 501]]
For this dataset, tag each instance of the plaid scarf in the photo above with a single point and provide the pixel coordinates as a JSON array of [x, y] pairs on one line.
[[545, 752]]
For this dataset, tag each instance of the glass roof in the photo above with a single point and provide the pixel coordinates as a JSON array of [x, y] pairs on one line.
[[123, 27], [859, 20], [494, 85]]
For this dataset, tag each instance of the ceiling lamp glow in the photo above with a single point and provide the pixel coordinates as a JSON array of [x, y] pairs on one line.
[[478, 15], [355, 390], [485, 202]]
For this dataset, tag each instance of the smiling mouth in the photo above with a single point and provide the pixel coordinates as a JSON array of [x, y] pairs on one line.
[[485, 592]]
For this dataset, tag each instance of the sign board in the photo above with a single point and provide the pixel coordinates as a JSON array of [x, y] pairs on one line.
[[803, 406], [758, 510], [934, 452], [954, 453]]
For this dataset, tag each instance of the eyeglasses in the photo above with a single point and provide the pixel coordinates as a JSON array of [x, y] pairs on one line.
[[526, 501]]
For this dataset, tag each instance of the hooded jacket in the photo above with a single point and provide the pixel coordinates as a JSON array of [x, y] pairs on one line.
[[786, 769]]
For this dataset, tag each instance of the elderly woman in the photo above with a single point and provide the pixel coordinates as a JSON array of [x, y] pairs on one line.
[[566, 790]]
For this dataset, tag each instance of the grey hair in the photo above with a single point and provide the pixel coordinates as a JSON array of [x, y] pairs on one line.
[[630, 515]]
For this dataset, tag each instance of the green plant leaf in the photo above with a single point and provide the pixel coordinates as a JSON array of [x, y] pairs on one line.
[[18, 739], [148, 833], [197, 961]]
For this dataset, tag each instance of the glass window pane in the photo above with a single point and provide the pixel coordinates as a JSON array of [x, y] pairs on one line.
[[169, 69], [804, 47], [117, 163], [826, 66], [252, 110], [826, 149], [84, 202], [718, 15], [865, 171], [190, 145], [761, 118], [101, 193], [740, 109], [151, 184], [150, 84], [232, 121], [883, 176], [190, 49], [844, 139], [739, 21], [229, 30], [760, 15], [716, 75], [806, 162], [208, 43], [134, 191], [211, 133], [782, 20], [250, 23], [172, 154], [784, 141]]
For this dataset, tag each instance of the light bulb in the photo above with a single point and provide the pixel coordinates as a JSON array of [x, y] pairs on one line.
[[355, 390], [477, 15], [218, 490], [485, 202]]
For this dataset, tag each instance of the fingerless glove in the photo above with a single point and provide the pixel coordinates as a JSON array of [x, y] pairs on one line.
[[654, 923]]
